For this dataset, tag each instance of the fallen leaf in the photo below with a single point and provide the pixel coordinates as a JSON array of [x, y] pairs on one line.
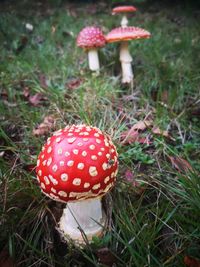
[[29, 167], [53, 29], [74, 83], [4, 95], [37, 99], [26, 92], [105, 256], [43, 81], [44, 127], [158, 131], [191, 262], [22, 44], [180, 164], [142, 125], [129, 137], [5, 259]]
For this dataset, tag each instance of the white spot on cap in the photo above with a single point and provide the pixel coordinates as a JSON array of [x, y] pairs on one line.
[[79, 144], [42, 156], [39, 172], [43, 186], [96, 135], [84, 153], [112, 150], [71, 140], [53, 180], [70, 134], [85, 139], [80, 166], [100, 153], [112, 174], [93, 157], [108, 156], [98, 141], [85, 133], [96, 186], [53, 196], [75, 151], [49, 161], [93, 171], [92, 147], [53, 190], [67, 154], [44, 162], [86, 185], [64, 177], [49, 149], [38, 162], [62, 163], [60, 151], [70, 163], [58, 140], [102, 149], [105, 166], [46, 180], [54, 168], [106, 179], [62, 194], [76, 181]]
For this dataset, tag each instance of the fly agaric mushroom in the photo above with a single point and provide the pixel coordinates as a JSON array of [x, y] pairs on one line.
[[77, 166], [124, 35], [91, 38], [124, 10]]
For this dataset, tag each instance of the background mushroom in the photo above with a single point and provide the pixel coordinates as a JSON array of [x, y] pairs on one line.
[[123, 35], [77, 166], [124, 10], [91, 38]]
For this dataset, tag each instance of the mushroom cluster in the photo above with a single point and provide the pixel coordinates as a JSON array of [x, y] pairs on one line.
[[91, 38], [77, 166]]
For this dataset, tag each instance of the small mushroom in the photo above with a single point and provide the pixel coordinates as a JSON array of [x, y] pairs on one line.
[[123, 35], [124, 10], [77, 166], [91, 38]]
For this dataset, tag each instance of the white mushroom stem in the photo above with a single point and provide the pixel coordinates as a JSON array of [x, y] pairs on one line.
[[82, 218], [93, 59], [124, 21], [126, 59]]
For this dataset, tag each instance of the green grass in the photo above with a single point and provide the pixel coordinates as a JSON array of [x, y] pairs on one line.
[[155, 224]]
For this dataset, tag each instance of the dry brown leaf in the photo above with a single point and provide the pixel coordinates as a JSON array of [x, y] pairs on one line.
[[158, 131], [191, 262], [106, 257], [142, 125], [44, 127], [129, 137], [74, 83], [180, 164], [43, 81], [5, 259], [37, 99]]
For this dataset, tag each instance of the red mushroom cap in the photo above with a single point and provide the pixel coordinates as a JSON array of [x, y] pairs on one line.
[[90, 37], [126, 33], [123, 9], [77, 162]]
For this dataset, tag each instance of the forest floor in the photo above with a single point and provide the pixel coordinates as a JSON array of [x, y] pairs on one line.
[[45, 84]]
